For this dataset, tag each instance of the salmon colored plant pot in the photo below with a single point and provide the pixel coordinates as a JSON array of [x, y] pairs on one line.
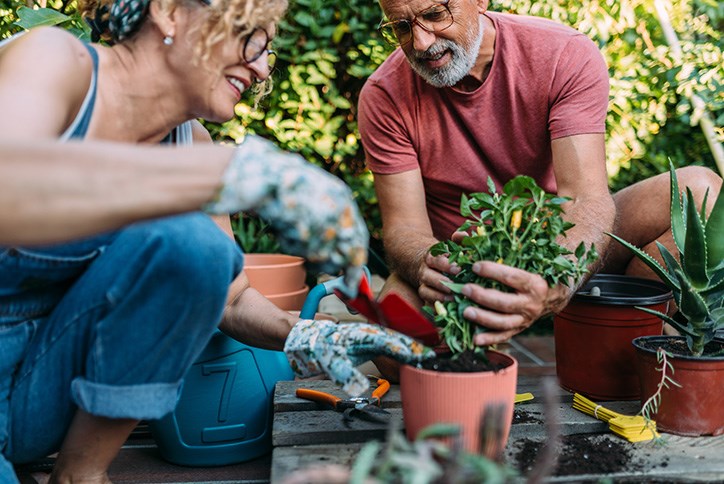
[[272, 274], [697, 406], [593, 335], [430, 397], [290, 301]]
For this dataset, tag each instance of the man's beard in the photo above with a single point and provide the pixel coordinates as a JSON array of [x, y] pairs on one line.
[[461, 61]]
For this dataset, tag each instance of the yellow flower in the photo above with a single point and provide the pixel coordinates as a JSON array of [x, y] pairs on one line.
[[440, 309]]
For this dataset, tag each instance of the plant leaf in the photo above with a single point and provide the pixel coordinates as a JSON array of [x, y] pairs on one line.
[[677, 214], [457, 288], [30, 17], [364, 463], [649, 261], [491, 185], [692, 305], [672, 265], [680, 327], [438, 430], [715, 233], [694, 256]]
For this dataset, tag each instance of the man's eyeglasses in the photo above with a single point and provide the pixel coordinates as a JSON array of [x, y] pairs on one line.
[[434, 19], [254, 45]]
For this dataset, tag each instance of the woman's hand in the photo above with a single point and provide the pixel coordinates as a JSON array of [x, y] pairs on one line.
[[312, 212], [315, 347]]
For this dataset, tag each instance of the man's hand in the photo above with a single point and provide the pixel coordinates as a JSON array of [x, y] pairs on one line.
[[432, 277], [316, 347], [312, 212], [507, 314]]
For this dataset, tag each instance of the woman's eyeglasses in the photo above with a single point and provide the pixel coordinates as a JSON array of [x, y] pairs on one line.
[[254, 45], [434, 19]]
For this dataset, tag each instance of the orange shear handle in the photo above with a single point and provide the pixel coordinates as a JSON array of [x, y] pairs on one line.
[[383, 387], [317, 396]]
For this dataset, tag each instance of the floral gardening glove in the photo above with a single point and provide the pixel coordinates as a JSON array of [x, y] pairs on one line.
[[312, 212], [315, 347]]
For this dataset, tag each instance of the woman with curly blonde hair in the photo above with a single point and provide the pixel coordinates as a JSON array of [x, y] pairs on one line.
[[97, 333]]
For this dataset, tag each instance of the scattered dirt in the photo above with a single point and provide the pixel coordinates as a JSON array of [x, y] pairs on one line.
[[580, 455], [466, 362], [521, 416]]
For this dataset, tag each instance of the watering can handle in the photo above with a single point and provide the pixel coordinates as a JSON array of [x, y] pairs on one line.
[[320, 291]]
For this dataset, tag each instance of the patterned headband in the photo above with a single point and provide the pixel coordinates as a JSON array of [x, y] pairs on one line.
[[125, 18]]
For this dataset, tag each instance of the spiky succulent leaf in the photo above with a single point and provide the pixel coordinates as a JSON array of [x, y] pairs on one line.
[[649, 261], [718, 316], [680, 327], [672, 265], [694, 255], [678, 226], [716, 285], [692, 304], [715, 233]]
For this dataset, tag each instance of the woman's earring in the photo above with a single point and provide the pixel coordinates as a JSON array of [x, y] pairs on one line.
[[168, 40]]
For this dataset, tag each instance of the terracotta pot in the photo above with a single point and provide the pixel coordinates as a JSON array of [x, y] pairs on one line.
[[290, 301], [593, 335], [430, 397], [273, 274], [695, 408]]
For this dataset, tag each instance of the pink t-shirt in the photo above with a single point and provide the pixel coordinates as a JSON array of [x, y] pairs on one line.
[[546, 81]]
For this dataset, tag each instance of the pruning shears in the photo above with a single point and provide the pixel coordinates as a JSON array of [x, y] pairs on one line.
[[365, 408]]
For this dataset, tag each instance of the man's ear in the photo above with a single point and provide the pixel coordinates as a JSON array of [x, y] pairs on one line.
[[162, 13], [483, 6]]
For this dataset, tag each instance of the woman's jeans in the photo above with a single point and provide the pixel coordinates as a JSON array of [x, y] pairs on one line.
[[108, 324]]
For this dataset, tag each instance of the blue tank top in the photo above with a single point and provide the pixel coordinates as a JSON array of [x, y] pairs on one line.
[[34, 279]]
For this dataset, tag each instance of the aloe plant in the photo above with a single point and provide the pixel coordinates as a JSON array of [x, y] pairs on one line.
[[696, 278]]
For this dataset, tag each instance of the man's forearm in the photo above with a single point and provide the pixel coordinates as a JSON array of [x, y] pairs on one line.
[[52, 192], [592, 219], [405, 253]]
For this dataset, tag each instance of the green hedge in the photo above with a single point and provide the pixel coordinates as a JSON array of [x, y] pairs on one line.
[[328, 51], [327, 48]]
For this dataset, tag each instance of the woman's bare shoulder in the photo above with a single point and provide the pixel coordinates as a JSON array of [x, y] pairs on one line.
[[48, 46], [44, 74]]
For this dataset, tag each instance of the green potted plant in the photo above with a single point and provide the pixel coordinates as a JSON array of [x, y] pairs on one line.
[[518, 227], [694, 405], [281, 278]]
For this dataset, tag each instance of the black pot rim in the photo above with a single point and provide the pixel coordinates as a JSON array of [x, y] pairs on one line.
[[643, 292], [636, 342]]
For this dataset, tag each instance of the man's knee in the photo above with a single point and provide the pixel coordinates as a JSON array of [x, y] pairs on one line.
[[699, 180]]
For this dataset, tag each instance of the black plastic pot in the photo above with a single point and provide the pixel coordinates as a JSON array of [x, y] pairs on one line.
[[620, 290], [593, 335]]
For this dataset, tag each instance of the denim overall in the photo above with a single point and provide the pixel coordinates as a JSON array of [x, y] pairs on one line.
[[109, 324]]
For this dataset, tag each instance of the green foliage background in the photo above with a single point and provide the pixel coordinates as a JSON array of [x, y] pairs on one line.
[[327, 48]]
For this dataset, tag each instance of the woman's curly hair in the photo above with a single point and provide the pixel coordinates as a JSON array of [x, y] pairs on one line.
[[114, 21]]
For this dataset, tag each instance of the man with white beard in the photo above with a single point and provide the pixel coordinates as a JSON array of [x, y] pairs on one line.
[[471, 94]]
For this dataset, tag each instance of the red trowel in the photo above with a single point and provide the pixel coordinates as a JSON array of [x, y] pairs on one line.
[[392, 311]]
